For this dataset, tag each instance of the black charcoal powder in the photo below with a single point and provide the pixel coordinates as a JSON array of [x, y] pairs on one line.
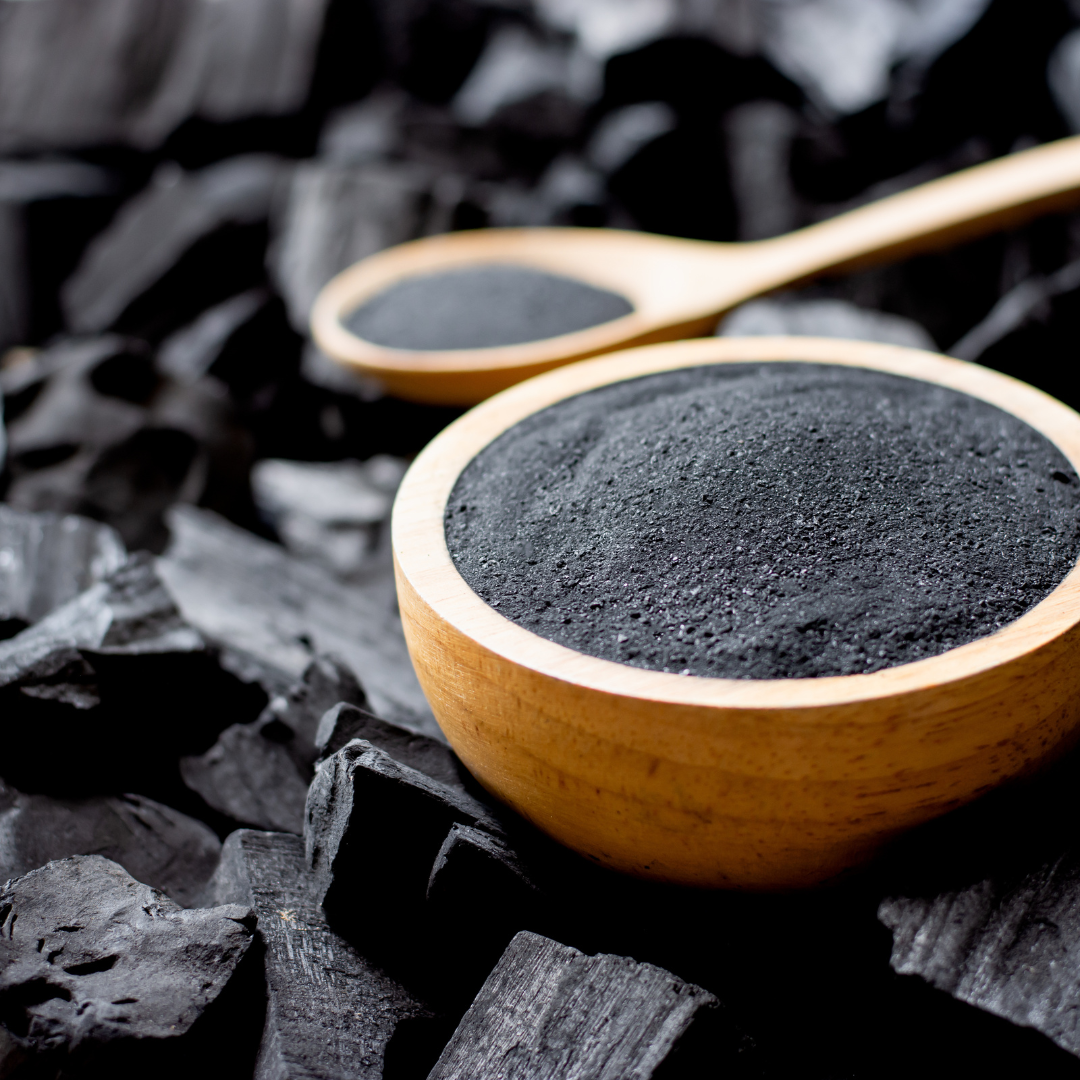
[[766, 521], [482, 307]]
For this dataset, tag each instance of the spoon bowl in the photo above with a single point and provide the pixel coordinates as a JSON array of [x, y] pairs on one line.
[[677, 288]]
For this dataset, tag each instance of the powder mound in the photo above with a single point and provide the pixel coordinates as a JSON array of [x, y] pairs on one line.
[[482, 307], [762, 521]]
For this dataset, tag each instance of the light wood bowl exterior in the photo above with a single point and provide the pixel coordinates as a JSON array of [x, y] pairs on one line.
[[748, 784], [678, 288]]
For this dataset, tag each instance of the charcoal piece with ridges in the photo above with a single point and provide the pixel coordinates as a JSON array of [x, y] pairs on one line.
[[234, 60], [156, 844], [368, 814], [98, 971], [48, 560], [1009, 946], [330, 1012], [75, 74], [548, 1011], [250, 597]]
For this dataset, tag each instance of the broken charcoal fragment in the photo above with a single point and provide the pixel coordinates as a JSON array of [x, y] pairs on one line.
[[48, 559], [75, 74], [337, 214], [249, 776], [1010, 946], [157, 845], [101, 970], [475, 866], [548, 1011], [105, 693], [66, 407], [332, 513], [200, 230], [250, 597], [330, 1012], [823, 318], [188, 354], [476, 872], [368, 814], [344, 722], [257, 774], [127, 614], [326, 681]]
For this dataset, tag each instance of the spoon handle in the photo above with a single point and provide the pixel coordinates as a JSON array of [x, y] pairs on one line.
[[985, 198]]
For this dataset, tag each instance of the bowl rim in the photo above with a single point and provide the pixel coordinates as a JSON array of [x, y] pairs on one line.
[[423, 559]]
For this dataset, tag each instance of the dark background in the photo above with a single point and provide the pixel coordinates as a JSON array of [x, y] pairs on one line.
[[178, 178]]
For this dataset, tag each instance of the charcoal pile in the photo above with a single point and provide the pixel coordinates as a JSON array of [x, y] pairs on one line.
[[234, 840]]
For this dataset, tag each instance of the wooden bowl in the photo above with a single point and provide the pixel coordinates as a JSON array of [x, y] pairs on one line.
[[751, 784]]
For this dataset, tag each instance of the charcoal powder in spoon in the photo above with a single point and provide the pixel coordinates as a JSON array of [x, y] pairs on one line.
[[482, 307], [766, 521]]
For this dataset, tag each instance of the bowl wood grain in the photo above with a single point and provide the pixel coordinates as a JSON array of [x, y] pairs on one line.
[[750, 784]]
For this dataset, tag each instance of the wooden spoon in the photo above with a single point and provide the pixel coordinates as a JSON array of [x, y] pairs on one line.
[[678, 288]]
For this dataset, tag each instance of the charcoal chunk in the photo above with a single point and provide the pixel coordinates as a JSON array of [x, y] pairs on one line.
[[96, 430], [332, 513], [188, 354], [368, 814], [157, 228], [1025, 303], [330, 1012], [337, 214], [249, 776], [71, 71], [257, 774], [48, 559], [759, 136], [127, 614], [327, 681], [237, 59], [345, 722], [106, 692], [157, 845], [249, 595], [92, 960], [548, 1010], [476, 872], [823, 318], [473, 862], [99, 428], [1011, 947], [75, 74], [841, 54], [67, 410]]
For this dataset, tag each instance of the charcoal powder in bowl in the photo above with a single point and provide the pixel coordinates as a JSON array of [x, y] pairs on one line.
[[482, 307], [766, 521]]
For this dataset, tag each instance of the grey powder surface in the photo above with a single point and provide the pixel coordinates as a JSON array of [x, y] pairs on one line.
[[482, 307], [766, 521]]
